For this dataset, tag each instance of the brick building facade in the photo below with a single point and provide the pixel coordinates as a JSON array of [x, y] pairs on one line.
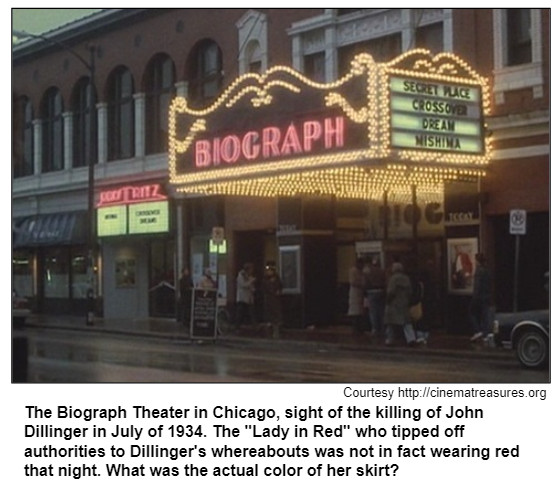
[[142, 59]]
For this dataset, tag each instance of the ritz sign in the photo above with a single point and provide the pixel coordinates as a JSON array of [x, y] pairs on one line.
[[132, 210]]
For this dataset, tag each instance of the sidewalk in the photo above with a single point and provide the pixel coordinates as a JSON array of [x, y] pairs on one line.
[[328, 338]]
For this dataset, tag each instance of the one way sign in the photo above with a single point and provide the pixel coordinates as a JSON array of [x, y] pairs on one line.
[[517, 222]]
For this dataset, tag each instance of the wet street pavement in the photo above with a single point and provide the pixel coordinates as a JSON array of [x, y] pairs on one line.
[[69, 355]]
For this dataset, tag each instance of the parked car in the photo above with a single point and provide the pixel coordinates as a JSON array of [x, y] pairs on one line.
[[20, 309], [527, 333]]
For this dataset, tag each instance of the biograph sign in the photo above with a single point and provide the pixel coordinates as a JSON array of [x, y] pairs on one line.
[[279, 132]]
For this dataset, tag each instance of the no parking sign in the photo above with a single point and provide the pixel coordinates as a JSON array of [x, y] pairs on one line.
[[517, 222]]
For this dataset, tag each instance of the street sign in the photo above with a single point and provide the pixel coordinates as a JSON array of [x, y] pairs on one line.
[[517, 222]]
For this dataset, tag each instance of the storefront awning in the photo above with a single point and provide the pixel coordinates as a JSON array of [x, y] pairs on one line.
[[48, 230]]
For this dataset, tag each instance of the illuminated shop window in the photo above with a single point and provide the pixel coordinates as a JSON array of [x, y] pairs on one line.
[[81, 132], [56, 277], [53, 131], [159, 93], [22, 272], [121, 115]]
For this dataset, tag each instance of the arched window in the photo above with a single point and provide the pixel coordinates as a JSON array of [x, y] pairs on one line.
[[53, 131], [160, 88], [84, 121], [121, 115], [22, 137], [205, 71]]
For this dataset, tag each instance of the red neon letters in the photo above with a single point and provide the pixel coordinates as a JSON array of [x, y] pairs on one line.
[[270, 142], [131, 194]]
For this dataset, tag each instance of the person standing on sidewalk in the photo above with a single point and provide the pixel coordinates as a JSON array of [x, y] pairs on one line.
[[375, 295], [397, 304], [481, 298], [245, 298], [207, 281], [356, 292], [272, 294], [185, 296]]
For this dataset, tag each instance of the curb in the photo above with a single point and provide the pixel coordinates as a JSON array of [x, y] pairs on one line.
[[289, 343]]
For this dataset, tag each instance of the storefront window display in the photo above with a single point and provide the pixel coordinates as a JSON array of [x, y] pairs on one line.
[[56, 273], [22, 271]]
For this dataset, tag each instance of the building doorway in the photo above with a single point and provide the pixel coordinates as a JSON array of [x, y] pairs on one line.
[[161, 290], [256, 247]]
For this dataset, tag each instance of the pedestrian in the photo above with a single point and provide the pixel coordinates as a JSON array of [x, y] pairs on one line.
[[416, 309], [245, 296], [207, 281], [429, 300], [375, 295], [356, 295], [272, 292], [397, 304], [479, 309], [185, 296]]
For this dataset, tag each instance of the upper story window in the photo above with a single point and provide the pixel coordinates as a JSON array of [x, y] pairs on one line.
[[346, 11], [84, 118], [252, 33], [341, 34], [314, 66], [518, 36], [518, 51], [382, 49], [254, 57], [53, 131], [430, 37], [160, 89], [205, 71], [121, 115], [22, 137]]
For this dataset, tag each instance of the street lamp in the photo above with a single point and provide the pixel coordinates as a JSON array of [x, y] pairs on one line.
[[90, 66]]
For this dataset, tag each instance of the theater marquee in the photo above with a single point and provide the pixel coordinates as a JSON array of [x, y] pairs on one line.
[[132, 210], [418, 120]]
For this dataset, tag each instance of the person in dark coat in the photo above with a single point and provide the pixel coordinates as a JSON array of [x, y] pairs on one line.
[[185, 296], [356, 293], [375, 295], [481, 299], [272, 293]]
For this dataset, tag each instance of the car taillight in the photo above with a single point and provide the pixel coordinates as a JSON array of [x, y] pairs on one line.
[[496, 327]]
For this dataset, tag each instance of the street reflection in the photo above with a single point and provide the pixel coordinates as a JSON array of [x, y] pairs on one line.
[[83, 357]]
